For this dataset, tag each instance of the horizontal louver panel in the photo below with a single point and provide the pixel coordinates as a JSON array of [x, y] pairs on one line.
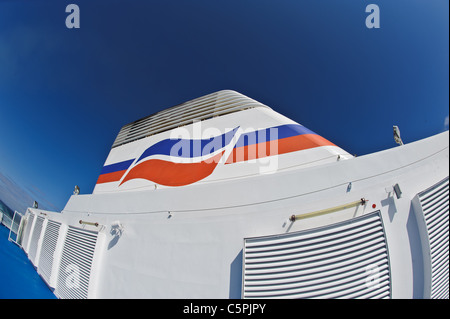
[[48, 249], [212, 105], [435, 206], [26, 235], [346, 260], [76, 262], [35, 238]]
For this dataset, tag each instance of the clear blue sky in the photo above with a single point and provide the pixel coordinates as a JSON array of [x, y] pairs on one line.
[[65, 93]]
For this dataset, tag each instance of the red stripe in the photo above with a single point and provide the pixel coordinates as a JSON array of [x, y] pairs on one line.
[[110, 177], [277, 147], [173, 174]]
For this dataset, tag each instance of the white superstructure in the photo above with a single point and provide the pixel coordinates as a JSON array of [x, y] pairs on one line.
[[222, 197]]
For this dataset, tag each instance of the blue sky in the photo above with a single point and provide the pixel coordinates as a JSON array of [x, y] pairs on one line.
[[65, 93]]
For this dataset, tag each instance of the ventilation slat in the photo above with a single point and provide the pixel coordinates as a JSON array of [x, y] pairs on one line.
[[188, 110], [439, 191], [337, 261], [435, 210], [350, 283], [48, 249], [321, 273], [76, 262], [212, 105], [26, 235], [312, 249], [314, 266], [437, 221], [356, 226], [435, 207], [35, 239], [324, 281], [323, 256]]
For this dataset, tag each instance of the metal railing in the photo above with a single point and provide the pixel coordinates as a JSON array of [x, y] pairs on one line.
[[13, 224], [15, 231], [5, 219]]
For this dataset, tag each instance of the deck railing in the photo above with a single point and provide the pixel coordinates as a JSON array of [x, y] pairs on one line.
[[13, 224]]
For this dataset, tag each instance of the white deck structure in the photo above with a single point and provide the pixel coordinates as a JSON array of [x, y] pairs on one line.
[[192, 203]]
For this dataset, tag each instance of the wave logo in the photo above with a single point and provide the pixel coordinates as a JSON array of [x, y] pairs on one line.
[[181, 161]]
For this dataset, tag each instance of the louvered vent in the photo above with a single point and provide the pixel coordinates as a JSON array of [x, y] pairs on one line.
[[76, 261], [345, 260], [202, 108], [26, 235], [35, 239], [435, 206], [48, 249]]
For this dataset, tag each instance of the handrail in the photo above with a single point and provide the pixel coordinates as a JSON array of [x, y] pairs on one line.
[[83, 222], [361, 202], [17, 231]]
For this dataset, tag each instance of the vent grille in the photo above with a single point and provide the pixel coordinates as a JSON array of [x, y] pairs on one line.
[[202, 108], [26, 235], [35, 238], [435, 206], [48, 249], [76, 262], [345, 260]]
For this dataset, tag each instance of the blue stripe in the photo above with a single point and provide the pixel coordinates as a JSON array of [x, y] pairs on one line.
[[270, 134], [195, 148], [188, 148], [121, 166]]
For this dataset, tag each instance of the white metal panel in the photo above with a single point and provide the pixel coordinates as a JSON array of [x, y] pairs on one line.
[[345, 260], [192, 210], [34, 243], [76, 262], [46, 258], [215, 104], [435, 207], [16, 230], [28, 230]]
